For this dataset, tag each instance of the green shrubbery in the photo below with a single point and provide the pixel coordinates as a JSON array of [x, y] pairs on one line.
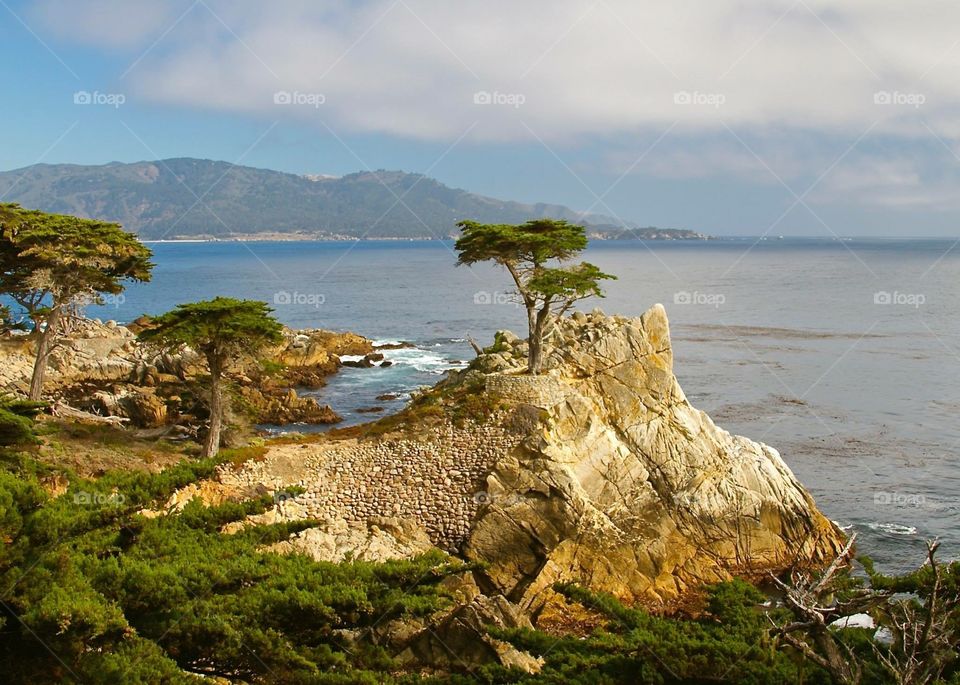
[[16, 421], [95, 592]]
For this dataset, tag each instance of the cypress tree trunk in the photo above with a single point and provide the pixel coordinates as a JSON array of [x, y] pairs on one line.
[[533, 342], [538, 329], [212, 445], [44, 347]]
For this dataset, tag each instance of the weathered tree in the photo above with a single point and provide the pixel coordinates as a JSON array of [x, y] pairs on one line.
[[815, 605], [53, 264], [924, 625], [536, 255], [919, 609], [222, 330]]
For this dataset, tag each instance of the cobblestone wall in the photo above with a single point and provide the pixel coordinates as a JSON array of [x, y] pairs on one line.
[[438, 481]]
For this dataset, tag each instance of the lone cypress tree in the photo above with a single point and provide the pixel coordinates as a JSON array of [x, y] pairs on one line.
[[223, 330], [527, 252]]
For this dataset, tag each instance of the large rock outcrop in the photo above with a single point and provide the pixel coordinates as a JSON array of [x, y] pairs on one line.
[[624, 486]]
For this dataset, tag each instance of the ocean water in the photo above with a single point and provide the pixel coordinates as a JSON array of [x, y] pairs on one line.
[[845, 356]]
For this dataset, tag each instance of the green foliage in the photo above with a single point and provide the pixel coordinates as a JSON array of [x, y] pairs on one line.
[[527, 251], [95, 592], [571, 283], [16, 421], [728, 644], [223, 323], [65, 257], [8, 322], [221, 329], [270, 367], [535, 242]]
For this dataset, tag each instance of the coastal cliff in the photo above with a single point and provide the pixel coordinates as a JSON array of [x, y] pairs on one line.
[[624, 486], [598, 471]]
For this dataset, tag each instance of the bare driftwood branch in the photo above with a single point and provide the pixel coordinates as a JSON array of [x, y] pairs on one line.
[[476, 347], [65, 411]]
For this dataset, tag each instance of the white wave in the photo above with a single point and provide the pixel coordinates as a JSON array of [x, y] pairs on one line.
[[425, 361], [351, 357], [893, 528]]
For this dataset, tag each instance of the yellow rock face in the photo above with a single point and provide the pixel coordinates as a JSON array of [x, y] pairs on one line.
[[626, 488]]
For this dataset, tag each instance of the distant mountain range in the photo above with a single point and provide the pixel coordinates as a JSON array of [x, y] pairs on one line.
[[198, 198]]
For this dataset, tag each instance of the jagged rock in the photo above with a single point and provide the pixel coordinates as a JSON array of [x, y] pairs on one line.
[[378, 539], [145, 409], [140, 405], [311, 355], [625, 487], [285, 406], [460, 639]]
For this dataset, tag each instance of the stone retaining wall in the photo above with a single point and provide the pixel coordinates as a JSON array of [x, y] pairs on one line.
[[438, 481], [540, 391]]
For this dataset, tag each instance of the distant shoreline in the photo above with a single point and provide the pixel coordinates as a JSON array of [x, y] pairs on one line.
[[294, 238]]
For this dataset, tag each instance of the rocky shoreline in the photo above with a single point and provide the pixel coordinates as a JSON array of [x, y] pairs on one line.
[[597, 472], [102, 368]]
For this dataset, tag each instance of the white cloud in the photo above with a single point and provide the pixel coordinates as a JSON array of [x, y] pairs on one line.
[[567, 73], [411, 67]]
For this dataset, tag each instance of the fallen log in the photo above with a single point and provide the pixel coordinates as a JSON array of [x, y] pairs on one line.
[[65, 411]]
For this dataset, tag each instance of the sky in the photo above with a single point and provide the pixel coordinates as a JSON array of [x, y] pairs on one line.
[[731, 117]]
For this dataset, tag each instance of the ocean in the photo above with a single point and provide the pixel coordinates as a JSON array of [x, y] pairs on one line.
[[843, 355]]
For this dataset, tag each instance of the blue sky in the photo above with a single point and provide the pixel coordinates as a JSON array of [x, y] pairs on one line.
[[745, 118]]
